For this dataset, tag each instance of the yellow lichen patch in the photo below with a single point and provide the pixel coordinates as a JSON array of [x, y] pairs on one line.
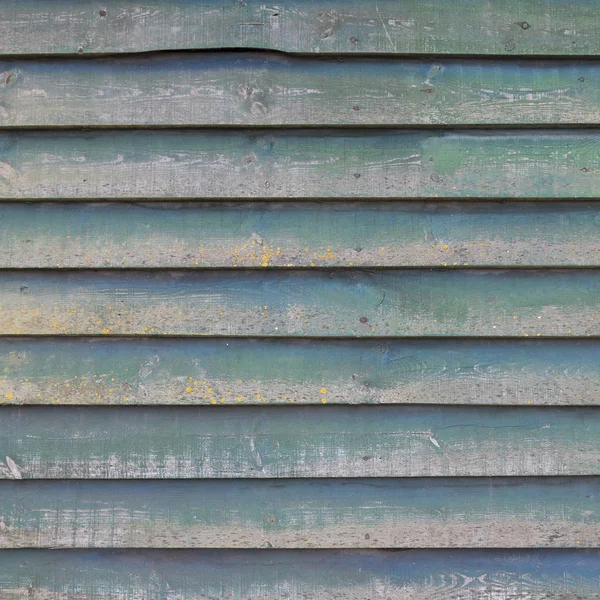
[[9, 395], [323, 390], [188, 389]]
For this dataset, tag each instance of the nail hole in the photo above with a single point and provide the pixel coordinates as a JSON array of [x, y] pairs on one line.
[[102, 12]]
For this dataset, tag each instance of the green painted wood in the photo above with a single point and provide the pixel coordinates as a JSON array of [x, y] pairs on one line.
[[299, 164], [505, 27], [154, 371], [296, 441], [269, 89], [302, 303], [522, 512], [369, 234], [300, 574]]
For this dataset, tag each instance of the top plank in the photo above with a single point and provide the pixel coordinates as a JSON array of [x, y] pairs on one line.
[[461, 27]]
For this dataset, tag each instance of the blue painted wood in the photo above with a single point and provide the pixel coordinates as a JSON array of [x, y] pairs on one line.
[[298, 574]]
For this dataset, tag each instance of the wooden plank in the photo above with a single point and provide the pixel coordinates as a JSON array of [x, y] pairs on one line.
[[299, 574], [266, 235], [297, 441], [506, 27], [275, 371], [299, 164], [269, 89], [522, 512], [302, 303]]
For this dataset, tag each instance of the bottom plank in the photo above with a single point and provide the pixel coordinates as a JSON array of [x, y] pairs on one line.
[[299, 575], [523, 512]]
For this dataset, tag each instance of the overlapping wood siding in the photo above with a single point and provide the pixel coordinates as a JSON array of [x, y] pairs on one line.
[[299, 301]]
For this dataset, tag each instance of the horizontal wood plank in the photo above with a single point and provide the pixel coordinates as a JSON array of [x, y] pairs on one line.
[[268, 89], [506, 27], [303, 441], [274, 371], [299, 574], [288, 234], [470, 512], [302, 303], [299, 164]]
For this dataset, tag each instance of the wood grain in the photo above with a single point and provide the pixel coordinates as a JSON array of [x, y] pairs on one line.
[[506, 27], [269, 235], [305, 164], [155, 371], [296, 441], [258, 89], [302, 303], [522, 512], [323, 574]]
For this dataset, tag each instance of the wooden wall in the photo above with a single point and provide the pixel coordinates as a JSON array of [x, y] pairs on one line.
[[299, 301]]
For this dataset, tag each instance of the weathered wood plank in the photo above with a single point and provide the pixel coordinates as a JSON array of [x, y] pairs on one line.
[[274, 371], [369, 234], [522, 512], [299, 164], [269, 89], [301, 441], [302, 303], [300, 574], [506, 27]]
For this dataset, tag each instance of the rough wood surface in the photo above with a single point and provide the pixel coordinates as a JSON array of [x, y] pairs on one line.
[[472, 512], [302, 303], [269, 89], [274, 371], [504, 27], [369, 234], [299, 575], [279, 163], [296, 441]]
